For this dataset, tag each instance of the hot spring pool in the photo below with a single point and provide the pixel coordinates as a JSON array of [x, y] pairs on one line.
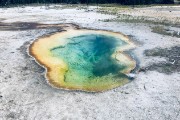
[[87, 60]]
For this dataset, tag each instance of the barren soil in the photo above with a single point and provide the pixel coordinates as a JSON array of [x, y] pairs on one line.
[[154, 94]]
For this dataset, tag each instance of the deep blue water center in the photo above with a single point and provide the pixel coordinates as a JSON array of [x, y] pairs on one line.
[[89, 55]]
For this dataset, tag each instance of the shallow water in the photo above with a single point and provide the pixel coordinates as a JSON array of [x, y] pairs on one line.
[[89, 57]]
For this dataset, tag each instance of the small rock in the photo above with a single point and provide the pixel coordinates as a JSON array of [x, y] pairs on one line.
[[142, 70], [25, 68], [11, 115], [131, 75]]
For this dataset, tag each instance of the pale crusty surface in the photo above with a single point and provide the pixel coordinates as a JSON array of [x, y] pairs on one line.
[[25, 95]]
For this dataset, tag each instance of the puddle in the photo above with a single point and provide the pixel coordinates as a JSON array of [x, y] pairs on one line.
[[87, 60]]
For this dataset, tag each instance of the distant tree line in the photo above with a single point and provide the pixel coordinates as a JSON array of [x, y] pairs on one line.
[[124, 2]]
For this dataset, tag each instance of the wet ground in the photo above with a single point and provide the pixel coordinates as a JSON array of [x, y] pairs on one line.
[[172, 56]]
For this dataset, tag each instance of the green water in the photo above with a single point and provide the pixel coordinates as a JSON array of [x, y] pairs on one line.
[[89, 57]]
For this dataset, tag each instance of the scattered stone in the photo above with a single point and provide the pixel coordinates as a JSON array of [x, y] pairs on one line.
[[11, 115], [25, 68], [11, 101], [142, 70], [144, 87]]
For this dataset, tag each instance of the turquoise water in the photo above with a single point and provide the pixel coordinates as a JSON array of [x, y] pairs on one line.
[[89, 56]]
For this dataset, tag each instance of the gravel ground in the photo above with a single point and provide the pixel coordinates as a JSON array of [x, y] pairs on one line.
[[25, 95]]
